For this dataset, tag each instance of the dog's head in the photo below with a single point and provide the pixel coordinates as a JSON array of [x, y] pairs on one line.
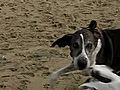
[[82, 44]]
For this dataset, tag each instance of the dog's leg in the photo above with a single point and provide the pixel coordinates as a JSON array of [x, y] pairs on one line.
[[93, 57], [95, 52], [53, 77], [106, 72]]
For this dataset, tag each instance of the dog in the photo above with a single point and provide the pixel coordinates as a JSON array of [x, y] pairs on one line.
[[82, 44], [113, 80], [74, 64]]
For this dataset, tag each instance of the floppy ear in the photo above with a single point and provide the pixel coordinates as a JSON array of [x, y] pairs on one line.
[[92, 25], [62, 42]]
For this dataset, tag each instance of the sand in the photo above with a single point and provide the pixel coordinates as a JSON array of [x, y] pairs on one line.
[[28, 28]]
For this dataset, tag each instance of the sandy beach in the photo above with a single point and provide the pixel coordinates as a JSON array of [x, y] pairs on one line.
[[28, 28]]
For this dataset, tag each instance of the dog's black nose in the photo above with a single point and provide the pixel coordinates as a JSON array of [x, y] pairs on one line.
[[82, 64]]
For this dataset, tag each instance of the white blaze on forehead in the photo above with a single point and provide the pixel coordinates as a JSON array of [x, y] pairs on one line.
[[82, 40], [82, 54], [83, 50]]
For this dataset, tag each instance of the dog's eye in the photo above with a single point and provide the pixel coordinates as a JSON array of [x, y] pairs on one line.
[[89, 46], [75, 45]]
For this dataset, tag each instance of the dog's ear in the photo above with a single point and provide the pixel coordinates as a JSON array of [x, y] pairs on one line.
[[92, 25], [62, 42]]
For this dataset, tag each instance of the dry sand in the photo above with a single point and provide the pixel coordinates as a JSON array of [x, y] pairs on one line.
[[28, 28]]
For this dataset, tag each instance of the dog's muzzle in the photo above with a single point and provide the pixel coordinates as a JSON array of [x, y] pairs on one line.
[[81, 62]]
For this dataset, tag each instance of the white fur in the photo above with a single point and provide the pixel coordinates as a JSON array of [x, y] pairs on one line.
[[95, 52], [105, 72]]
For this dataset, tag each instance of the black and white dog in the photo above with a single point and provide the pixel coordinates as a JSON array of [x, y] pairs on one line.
[[90, 46]]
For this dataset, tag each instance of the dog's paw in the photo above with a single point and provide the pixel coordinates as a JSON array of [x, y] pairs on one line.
[[53, 78]]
